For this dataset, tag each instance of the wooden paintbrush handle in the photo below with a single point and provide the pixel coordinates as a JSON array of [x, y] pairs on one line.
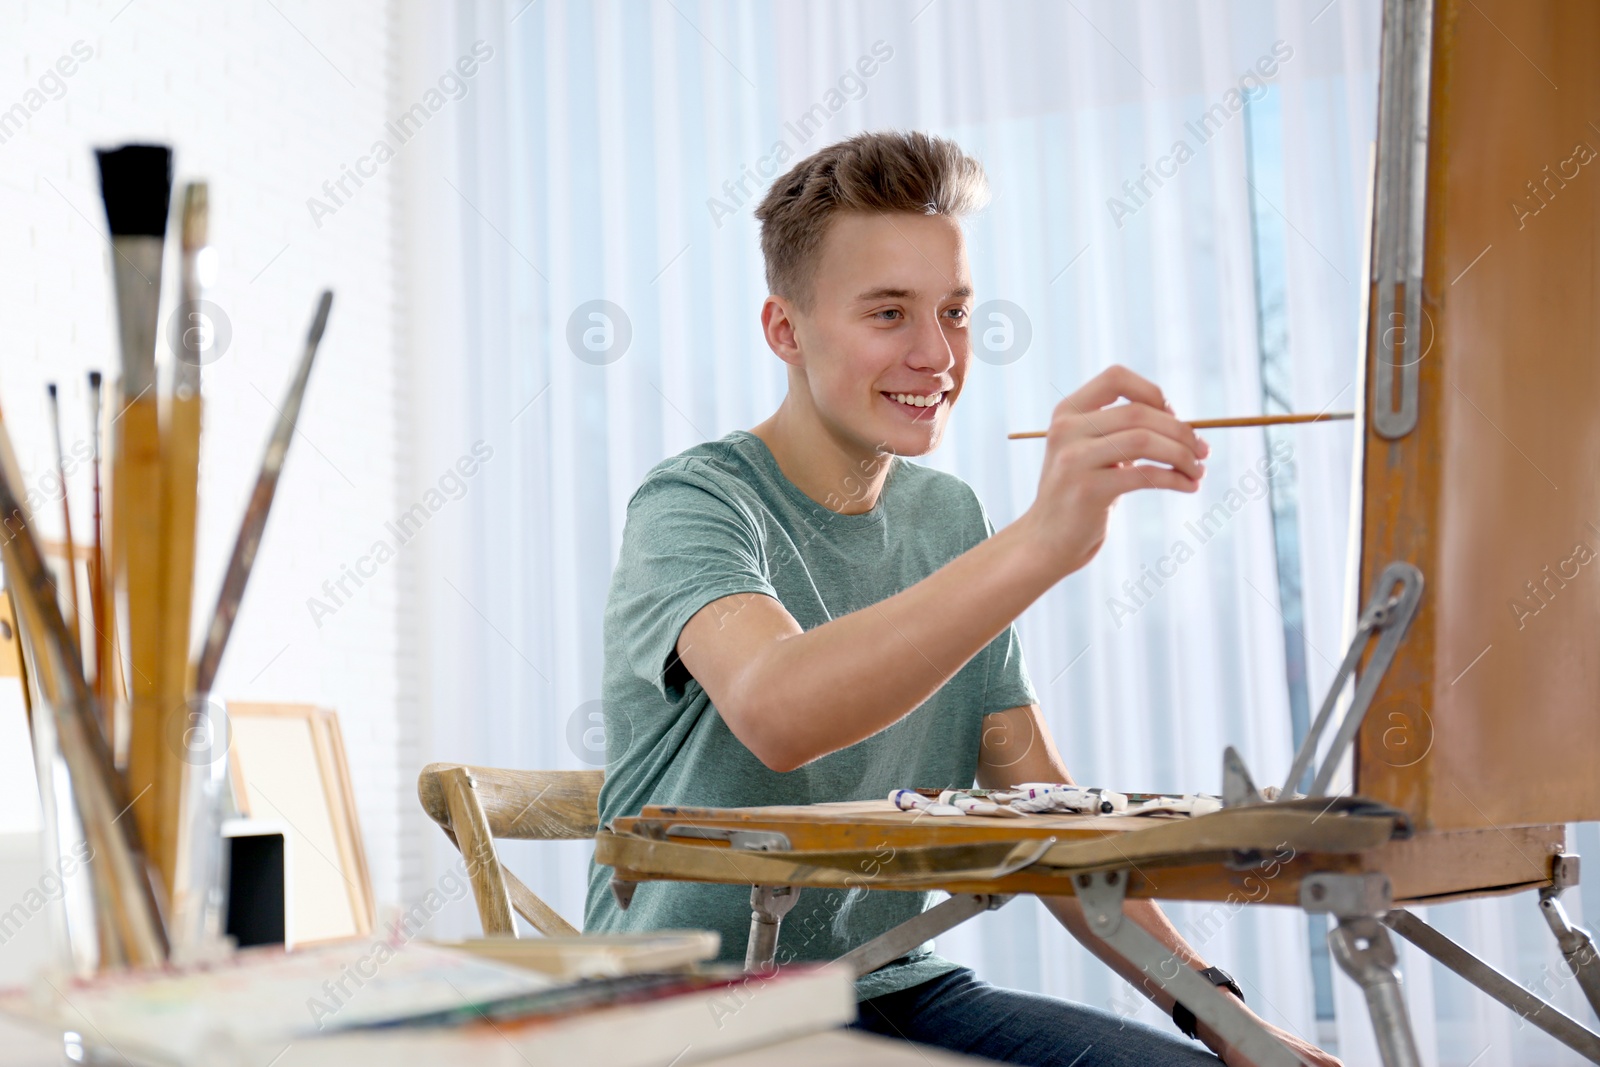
[[1222, 424]]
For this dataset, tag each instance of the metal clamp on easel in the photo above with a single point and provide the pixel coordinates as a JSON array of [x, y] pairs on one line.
[[1388, 615]]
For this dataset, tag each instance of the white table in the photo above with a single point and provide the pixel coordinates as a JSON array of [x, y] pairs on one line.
[[22, 1047]]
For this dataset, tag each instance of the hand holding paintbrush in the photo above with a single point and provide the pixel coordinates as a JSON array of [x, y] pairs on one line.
[[1098, 450]]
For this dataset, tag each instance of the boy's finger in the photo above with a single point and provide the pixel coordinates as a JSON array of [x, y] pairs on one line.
[[1130, 446], [1120, 417], [1114, 383], [1145, 476]]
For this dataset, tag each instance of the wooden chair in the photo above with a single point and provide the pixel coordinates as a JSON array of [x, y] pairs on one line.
[[475, 805]]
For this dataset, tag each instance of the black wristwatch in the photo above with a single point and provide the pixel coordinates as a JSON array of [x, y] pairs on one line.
[[1184, 1018]]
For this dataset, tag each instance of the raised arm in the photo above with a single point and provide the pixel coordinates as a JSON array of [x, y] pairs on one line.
[[792, 696]]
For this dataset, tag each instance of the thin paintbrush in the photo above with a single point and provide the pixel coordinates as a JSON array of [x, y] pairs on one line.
[[202, 893], [255, 515], [73, 626], [1222, 424], [180, 455], [109, 680], [136, 184], [97, 568]]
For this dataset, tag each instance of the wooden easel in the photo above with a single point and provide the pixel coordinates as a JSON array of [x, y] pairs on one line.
[[1474, 722]]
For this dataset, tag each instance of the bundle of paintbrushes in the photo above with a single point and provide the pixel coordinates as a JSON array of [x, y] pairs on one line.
[[124, 714]]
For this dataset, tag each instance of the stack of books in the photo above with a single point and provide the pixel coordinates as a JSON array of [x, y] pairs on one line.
[[401, 1004]]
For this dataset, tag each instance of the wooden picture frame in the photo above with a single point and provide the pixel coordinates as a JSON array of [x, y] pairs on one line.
[[274, 752], [10, 640]]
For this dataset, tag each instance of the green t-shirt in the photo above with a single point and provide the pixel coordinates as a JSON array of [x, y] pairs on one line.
[[721, 519]]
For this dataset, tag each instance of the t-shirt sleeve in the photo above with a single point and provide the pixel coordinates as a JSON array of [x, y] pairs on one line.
[[1006, 681], [685, 543]]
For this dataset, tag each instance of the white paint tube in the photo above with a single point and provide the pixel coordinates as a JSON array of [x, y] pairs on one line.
[[1187, 804], [1046, 797], [971, 805], [910, 800]]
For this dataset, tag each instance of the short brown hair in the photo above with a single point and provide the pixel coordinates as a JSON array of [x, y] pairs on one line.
[[871, 172]]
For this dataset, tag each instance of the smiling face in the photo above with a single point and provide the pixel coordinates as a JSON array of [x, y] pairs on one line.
[[882, 355]]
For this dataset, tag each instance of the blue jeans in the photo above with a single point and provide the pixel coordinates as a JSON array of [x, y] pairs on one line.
[[962, 1013]]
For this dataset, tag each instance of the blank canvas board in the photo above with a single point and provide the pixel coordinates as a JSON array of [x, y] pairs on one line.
[[283, 782]]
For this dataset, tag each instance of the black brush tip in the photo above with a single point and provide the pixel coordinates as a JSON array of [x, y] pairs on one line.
[[51, 386], [136, 184], [319, 322], [94, 379]]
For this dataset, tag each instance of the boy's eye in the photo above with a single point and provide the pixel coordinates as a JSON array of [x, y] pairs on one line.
[[958, 315]]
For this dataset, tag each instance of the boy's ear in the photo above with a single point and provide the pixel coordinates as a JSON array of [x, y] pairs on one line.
[[779, 325]]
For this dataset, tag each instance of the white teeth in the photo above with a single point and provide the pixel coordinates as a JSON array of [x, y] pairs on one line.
[[915, 401]]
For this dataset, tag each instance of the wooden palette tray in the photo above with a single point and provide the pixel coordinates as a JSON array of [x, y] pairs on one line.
[[1256, 854]]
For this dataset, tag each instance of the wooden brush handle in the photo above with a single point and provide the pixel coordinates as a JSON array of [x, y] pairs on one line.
[[1222, 424]]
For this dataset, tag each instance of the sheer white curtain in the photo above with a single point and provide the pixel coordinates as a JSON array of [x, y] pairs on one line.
[[613, 152]]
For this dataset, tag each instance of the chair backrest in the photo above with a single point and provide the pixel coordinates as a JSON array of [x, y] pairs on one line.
[[523, 805], [475, 805]]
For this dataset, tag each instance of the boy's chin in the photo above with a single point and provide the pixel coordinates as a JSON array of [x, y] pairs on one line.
[[910, 441]]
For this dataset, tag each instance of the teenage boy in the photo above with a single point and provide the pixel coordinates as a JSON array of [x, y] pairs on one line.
[[799, 614]]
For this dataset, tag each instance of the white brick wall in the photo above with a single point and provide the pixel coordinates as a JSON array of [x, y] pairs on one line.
[[266, 101]]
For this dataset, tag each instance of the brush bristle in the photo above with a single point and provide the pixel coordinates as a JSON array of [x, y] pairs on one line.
[[51, 386], [136, 184], [94, 379]]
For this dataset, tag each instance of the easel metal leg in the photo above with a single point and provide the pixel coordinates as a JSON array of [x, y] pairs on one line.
[[1361, 945], [1365, 953], [1101, 895], [1577, 947], [1540, 1013], [892, 944], [768, 905]]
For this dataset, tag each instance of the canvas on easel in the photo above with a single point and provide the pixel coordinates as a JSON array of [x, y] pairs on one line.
[[1480, 463]]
